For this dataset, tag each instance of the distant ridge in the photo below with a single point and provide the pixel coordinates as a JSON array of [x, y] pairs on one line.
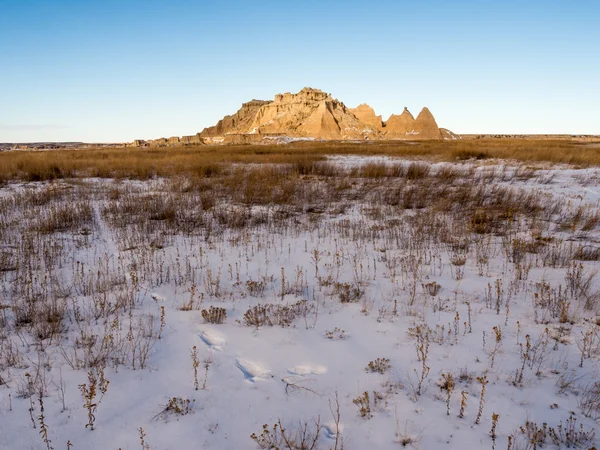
[[5, 146]]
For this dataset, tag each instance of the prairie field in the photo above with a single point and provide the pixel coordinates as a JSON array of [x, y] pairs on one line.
[[304, 296], [203, 161]]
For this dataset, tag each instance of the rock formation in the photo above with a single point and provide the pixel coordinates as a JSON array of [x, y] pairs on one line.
[[192, 140], [405, 126], [238, 123], [310, 114], [426, 127], [400, 126], [449, 135], [160, 142], [138, 143], [170, 142], [366, 115]]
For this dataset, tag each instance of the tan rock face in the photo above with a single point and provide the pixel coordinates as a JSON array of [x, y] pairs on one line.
[[400, 126], [366, 115], [242, 139], [160, 142], [192, 140], [405, 126], [236, 123], [426, 126], [309, 113]]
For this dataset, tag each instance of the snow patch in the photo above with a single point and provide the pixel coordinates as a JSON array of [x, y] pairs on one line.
[[307, 370]]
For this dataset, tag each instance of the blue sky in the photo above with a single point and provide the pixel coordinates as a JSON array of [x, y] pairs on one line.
[[117, 70]]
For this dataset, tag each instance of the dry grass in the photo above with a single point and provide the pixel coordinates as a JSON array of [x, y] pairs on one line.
[[208, 161]]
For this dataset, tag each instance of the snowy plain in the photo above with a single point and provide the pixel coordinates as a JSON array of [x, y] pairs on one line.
[[360, 281]]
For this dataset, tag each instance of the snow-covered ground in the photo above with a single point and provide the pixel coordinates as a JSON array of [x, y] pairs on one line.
[[513, 310]]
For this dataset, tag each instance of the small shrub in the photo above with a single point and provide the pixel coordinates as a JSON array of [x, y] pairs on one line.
[[258, 316], [303, 437], [447, 384], [256, 288], [214, 315], [336, 333], [347, 293], [379, 365], [417, 171], [363, 402], [274, 314], [406, 440], [432, 288], [568, 434], [589, 400], [176, 406], [465, 377]]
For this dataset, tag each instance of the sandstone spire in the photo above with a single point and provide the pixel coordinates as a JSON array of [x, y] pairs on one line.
[[426, 126]]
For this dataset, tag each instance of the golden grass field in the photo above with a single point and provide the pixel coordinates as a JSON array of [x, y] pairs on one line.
[[204, 161]]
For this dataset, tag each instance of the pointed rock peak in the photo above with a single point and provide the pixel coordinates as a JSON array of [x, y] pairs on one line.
[[366, 115], [407, 113], [426, 125], [406, 116], [425, 114], [363, 109]]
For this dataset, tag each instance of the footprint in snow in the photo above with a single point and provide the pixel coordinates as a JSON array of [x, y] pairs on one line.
[[330, 429], [251, 370], [213, 339], [307, 370]]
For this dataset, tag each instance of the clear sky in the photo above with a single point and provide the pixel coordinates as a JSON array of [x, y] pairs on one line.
[[117, 70]]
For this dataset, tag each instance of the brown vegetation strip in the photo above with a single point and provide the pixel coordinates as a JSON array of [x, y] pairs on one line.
[[206, 161]]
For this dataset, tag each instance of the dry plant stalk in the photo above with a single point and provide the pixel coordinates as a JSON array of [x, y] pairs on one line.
[[448, 386], [463, 403], [89, 391], [42, 420], [495, 418], [195, 365], [483, 381]]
